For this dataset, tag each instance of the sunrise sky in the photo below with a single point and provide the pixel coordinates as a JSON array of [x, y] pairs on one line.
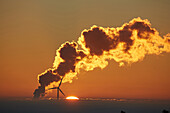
[[31, 31]]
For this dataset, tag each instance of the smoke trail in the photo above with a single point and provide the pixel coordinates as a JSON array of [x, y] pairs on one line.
[[65, 62], [126, 44]]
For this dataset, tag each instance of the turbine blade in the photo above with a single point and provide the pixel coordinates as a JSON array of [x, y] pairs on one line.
[[52, 88], [61, 91], [60, 82]]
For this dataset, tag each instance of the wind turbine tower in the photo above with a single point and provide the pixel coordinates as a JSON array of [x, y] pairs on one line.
[[58, 89]]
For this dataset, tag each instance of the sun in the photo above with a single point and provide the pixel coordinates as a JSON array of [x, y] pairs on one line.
[[72, 98]]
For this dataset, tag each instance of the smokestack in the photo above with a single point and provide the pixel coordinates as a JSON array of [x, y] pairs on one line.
[[126, 44]]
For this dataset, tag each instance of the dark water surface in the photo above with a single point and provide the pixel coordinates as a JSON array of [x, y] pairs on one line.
[[83, 106]]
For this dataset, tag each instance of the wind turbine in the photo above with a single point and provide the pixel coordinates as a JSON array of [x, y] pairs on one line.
[[58, 89]]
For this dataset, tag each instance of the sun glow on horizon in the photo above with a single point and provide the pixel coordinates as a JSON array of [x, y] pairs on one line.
[[72, 98]]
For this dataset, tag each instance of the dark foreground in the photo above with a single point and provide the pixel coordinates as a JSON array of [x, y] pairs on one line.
[[83, 106]]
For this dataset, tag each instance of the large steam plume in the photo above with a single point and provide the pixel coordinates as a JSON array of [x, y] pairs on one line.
[[126, 44]]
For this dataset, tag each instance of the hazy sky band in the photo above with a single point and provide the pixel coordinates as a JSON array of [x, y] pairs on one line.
[[31, 31]]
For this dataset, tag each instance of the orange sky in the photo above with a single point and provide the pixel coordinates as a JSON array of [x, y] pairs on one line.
[[30, 33]]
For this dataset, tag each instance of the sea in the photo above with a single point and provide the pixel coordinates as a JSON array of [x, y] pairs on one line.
[[83, 105]]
